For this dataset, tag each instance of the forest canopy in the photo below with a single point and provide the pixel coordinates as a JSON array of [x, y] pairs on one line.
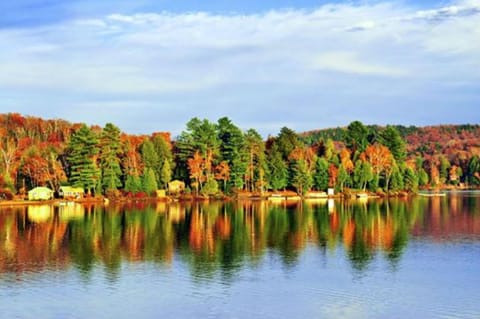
[[220, 157]]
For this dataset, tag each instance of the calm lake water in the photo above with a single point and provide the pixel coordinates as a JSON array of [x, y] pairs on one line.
[[417, 258]]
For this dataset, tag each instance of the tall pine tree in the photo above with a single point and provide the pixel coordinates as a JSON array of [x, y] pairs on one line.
[[110, 149], [278, 170], [149, 181], [301, 178], [320, 178], [82, 150]]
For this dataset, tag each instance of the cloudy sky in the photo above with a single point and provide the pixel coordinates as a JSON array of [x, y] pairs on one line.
[[151, 65]]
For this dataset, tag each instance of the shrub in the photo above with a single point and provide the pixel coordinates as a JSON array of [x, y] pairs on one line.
[[6, 194]]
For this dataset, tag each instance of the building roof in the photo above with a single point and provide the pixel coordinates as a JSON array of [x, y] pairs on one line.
[[176, 182], [72, 189], [40, 189]]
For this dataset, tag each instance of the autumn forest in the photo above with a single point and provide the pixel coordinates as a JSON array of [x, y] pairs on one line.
[[214, 158]]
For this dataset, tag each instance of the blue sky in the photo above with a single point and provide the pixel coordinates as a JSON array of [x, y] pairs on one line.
[[152, 65]]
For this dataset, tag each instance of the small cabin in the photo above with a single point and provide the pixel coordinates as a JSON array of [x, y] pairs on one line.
[[40, 193], [71, 192], [161, 193], [176, 187]]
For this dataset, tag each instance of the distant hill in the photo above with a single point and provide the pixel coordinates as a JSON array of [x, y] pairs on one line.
[[453, 141]]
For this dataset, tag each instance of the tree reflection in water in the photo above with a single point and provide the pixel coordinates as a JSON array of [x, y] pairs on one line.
[[221, 238]]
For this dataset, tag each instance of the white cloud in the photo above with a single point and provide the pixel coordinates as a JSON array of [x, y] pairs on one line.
[[348, 62], [303, 58]]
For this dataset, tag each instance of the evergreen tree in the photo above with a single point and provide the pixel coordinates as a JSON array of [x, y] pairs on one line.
[[444, 166], [396, 183], [239, 170], [301, 179], [410, 180], [232, 150], [356, 137], [287, 141], [82, 150], [133, 184], [257, 166], [422, 177], [278, 171], [149, 156], [110, 149], [391, 138], [149, 181], [165, 164], [165, 174], [473, 171], [98, 187], [320, 178], [201, 136]]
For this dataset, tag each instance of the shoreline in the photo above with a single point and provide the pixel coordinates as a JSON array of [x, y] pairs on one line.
[[357, 195]]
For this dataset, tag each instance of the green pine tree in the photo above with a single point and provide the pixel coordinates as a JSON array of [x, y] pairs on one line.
[[410, 180], [396, 183], [233, 151], [320, 178], [149, 155], [256, 163], [165, 163], [422, 177], [391, 138], [278, 171], [82, 150], [473, 170], [165, 174], [149, 181], [356, 137], [110, 149], [301, 179], [133, 184], [444, 167]]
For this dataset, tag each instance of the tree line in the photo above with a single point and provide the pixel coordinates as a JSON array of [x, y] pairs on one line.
[[218, 157]]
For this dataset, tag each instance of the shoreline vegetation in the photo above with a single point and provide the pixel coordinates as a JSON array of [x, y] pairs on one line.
[[56, 160]]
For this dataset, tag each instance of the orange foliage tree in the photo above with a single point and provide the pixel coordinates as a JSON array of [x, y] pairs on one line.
[[345, 159], [332, 175], [379, 157], [195, 166], [222, 173]]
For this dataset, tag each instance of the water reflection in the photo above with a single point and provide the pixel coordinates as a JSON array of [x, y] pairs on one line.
[[219, 237]]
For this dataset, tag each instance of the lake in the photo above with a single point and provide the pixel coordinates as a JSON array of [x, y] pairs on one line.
[[396, 258]]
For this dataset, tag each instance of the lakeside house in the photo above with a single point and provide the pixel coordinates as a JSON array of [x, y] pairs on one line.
[[40, 193], [71, 192], [176, 187]]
